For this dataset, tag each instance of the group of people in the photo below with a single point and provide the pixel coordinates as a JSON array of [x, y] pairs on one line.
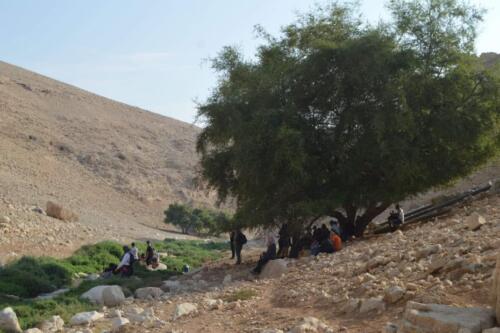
[[131, 255], [313, 241]]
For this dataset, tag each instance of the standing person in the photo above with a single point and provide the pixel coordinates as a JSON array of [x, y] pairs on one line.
[[284, 241], [232, 234], [239, 240], [134, 251], [401, 214], [150, 253]]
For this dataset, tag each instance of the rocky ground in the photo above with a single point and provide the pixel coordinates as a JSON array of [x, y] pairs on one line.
[[394, 278]]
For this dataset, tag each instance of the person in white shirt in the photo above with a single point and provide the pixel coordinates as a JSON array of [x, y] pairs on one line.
[[401, 214], [125, 267], [135, 252]]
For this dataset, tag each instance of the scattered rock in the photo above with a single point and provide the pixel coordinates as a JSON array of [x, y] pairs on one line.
[[436, 318], [33, 330], [58, 212], [311, 324], [475, 221], [171, 286], [391, 328], [394, 294], [185, 309], [85, 318], [118, 323], [375, 304], [4, 220], [105, 295], [148, 292], [8, 321], [52, 325], [274, 269]]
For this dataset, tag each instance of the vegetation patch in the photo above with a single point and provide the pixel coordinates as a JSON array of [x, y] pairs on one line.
[[240, 295], [22, 280]]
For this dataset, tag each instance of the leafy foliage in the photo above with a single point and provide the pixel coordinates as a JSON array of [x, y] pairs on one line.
[[28, 277], [197, 220], [339, 118]]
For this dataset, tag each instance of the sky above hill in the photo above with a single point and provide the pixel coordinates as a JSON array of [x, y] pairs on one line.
[[153, 54]]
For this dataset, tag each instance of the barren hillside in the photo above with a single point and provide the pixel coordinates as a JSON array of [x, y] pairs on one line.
[[117, 166]]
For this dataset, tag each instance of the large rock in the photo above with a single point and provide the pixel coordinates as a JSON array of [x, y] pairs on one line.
[[373, 305], [492, 330], [105, 295], [59, 212], [52, 325], [118, 323], [475, 221], [185, 309], [274, 269], [436, 318], [148, 292], [171, 286], [8, 321], [85, 318], [33, 330], [394, 294], [311, 324]]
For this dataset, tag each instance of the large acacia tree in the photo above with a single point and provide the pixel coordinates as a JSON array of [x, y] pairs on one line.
[[340, 118]]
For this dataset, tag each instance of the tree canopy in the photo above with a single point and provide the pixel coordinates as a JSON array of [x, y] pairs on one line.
[[197, 220], [336, 117]]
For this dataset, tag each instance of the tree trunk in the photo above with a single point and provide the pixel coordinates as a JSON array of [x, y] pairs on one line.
[[355, 225]]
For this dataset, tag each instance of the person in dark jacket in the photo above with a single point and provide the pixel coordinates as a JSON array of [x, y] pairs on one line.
[[150, 253], [239, 240], [284, 241], [231, 242], [270, 254]]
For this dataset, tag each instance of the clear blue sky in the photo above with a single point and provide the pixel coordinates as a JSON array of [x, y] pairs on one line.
[[151, 53]]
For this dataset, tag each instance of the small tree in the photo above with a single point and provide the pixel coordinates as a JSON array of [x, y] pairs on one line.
[[342, 119], [197, 220]]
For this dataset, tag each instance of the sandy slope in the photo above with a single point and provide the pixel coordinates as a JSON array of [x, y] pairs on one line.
[[117, 166]]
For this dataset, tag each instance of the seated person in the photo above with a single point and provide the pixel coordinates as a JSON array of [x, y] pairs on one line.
[[326, 246], [109, 271], [270, 254], [396, 218], [125, 268], [336, 241]]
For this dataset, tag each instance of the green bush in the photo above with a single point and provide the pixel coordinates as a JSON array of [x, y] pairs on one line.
[[29, 277]]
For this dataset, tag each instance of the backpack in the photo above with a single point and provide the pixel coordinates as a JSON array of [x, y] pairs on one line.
[[131, 258], [242, 238]]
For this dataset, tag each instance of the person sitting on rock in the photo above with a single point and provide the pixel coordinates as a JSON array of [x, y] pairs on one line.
[[336, 241], [125, 268], [396, 218], [270, 254]]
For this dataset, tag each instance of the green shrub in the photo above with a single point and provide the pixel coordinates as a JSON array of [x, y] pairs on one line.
[[29, 277]]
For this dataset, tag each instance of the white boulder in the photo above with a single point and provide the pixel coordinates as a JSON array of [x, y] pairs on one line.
[[8, 321], [311, 324], [274, 269], [437, 318], [185, 309], [105, 295], [475, 221], [148, 292], [85, 318]]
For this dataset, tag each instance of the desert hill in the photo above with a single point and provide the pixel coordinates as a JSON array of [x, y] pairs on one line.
[[116, 166]]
